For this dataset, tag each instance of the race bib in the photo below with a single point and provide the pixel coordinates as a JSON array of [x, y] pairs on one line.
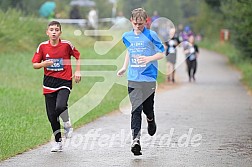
[[192, 50], [134, 62], [172, 42], [192, 57], [57, 65], [171, 50]]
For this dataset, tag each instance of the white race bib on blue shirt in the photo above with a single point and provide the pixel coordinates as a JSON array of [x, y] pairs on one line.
[[134, 62], [57, 65]]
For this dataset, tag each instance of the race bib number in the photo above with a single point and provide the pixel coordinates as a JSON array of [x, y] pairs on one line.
[[192, 57], [172, 42], [171, 50], [134, 62], [57, 65], [192, 50]]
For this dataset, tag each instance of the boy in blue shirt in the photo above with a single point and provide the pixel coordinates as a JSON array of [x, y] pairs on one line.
[[144, 48]]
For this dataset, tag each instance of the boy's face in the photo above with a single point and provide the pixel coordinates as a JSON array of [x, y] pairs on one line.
[[138, 24], [53, 32], [172, 32], [191, 39]]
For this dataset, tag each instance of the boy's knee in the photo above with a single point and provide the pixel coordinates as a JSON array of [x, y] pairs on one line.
[[59, 109], [150, 116], [137, 109]]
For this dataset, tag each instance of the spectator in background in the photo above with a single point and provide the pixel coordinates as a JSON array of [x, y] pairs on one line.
[[120, 20], [47, 10], [93, 19], [120, 17], [75, 13]]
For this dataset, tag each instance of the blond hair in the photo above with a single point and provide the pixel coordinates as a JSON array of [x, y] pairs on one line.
[[138, 13]]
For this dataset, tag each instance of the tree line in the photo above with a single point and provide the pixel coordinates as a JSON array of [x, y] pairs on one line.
[[235, 15]]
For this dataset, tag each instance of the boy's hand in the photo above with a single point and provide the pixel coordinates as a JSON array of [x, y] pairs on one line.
[[47, 63], [77, 76], [121, 72], [143, 59]]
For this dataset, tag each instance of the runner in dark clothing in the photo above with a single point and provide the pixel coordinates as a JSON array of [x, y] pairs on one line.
[[191, 50]]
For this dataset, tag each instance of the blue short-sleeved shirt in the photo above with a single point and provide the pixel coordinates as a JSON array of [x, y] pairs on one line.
[[145, 44]]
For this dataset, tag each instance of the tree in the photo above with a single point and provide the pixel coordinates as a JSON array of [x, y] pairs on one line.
[[169, 9], [190, 8], [128, 5], [215, 4], [238, 20]]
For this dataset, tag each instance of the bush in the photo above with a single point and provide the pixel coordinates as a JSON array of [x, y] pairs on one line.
[[20, 34], [238, 18]]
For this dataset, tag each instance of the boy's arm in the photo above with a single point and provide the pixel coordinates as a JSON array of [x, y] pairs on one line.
[[74, 52], [37, 59], [125, 65], [77, 74], [197, 51], [147, 59], [42, 64]]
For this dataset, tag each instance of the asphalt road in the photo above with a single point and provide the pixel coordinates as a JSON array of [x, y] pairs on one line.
[[201, 124]]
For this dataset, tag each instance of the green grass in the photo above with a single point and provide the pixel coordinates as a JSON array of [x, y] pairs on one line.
[[21, 110], [19, 33], [235, 57]]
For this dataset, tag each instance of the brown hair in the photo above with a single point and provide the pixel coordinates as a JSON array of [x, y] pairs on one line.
[[54, 23], [138, 13]]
